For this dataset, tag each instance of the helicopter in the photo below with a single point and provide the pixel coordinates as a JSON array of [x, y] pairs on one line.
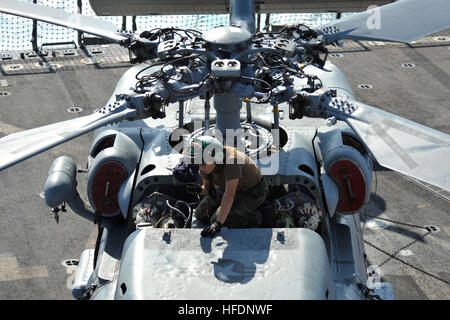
[[317, 161]]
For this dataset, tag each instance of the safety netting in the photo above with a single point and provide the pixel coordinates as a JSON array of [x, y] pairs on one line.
[[16, 33]]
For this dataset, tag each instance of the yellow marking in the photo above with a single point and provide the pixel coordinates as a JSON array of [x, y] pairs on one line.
[[10, 270], [424, 205]]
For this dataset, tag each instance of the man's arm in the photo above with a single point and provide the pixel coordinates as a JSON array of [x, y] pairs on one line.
[[227, 200], [225, 207]]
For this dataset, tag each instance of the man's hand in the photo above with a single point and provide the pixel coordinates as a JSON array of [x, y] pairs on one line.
[[211, 230]]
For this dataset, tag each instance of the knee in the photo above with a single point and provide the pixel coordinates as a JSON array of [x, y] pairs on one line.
[[201, 215], [205, 211]]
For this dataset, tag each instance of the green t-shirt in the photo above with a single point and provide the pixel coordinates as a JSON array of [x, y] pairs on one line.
[[237, 165]]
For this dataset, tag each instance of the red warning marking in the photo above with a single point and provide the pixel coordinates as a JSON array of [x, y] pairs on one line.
[[106, 185], [351, 185]]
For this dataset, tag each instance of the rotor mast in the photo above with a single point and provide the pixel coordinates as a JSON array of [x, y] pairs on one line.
[[242, 14]]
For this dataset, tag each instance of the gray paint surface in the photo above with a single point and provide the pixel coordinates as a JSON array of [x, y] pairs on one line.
[[240, 264]]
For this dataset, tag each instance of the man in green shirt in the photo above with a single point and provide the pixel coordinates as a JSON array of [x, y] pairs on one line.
[[232, 185]]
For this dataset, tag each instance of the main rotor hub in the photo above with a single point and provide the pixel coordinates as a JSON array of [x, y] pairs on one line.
[[227, 37]]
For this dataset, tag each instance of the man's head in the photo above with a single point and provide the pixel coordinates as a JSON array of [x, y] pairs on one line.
[[204, 150]]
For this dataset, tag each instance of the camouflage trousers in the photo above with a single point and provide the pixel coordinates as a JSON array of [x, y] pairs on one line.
[[243, 211]]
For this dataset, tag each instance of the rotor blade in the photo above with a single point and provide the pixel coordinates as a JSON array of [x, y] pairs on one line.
[[403, 145], [402, 21], [25, 144], [97, 27]]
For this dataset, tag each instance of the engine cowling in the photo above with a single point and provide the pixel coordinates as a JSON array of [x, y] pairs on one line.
[[113, 158], [353, 180], [351, 170]]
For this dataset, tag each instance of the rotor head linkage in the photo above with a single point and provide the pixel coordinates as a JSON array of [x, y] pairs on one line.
[[180, 113], [276, 116], [207, 113]]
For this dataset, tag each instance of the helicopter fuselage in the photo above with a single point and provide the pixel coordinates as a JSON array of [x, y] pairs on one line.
[[131, 162]]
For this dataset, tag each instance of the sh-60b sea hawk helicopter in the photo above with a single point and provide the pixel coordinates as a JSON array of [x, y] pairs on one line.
[[317, 160]]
